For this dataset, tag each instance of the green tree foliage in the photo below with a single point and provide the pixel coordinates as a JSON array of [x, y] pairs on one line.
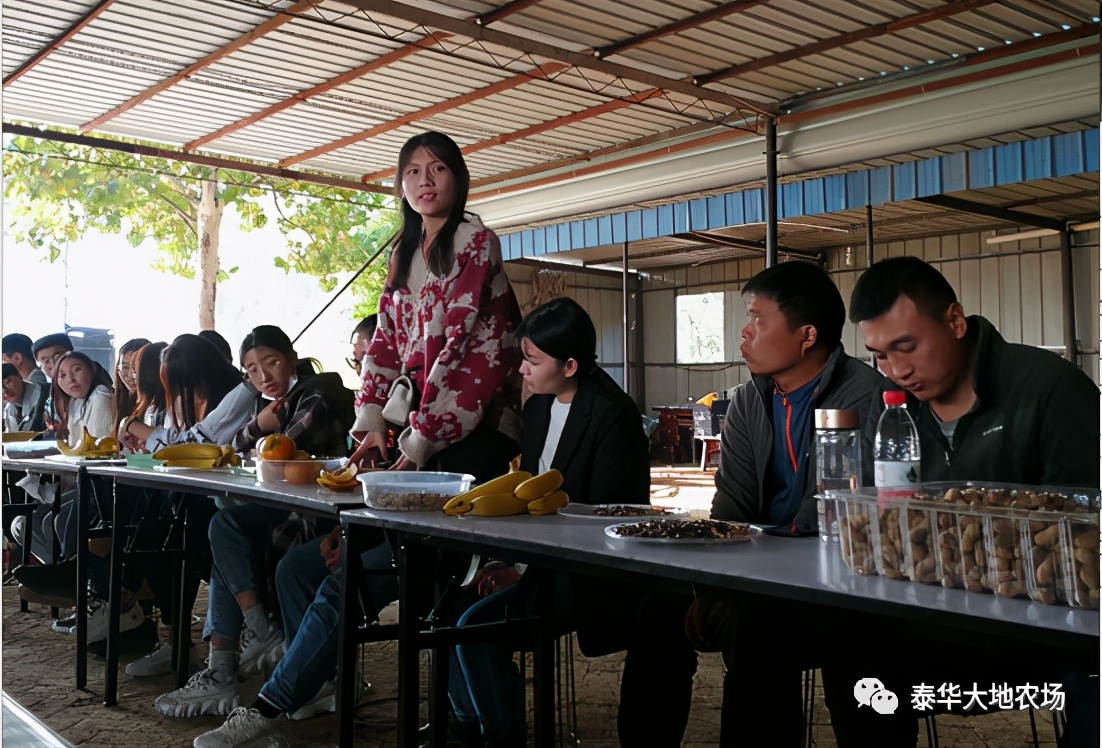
[[57, 192]]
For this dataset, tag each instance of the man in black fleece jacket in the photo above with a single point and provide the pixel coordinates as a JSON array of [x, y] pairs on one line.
[[986, 410]]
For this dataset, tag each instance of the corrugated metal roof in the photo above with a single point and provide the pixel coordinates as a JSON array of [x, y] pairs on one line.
[[280, 82]]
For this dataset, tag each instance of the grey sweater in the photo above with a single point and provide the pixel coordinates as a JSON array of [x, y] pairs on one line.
[[846, 384]]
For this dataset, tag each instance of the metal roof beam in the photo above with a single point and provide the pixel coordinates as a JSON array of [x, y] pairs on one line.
[[842, 40], [699, 19], [382, 61], [569, 267], [543, 71], [422, 17], [993, 211], [57, 41], [213, 162], [273, 23]]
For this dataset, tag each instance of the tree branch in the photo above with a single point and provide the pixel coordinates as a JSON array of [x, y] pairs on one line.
[[186, 217]]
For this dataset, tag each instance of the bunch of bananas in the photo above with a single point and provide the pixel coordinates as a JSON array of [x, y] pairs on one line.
[[513, 493], [202, 456], [339, 480], [90, 447]]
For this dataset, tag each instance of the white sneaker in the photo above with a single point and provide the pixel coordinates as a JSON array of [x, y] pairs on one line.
[[325, 702], [254, 652], [203, 694], [244, 728], [66, 625], [130, 618], [157, 662]]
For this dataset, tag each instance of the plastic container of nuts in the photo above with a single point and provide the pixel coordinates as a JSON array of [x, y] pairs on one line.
[[855, 527], [421, 491], [1079, 541]]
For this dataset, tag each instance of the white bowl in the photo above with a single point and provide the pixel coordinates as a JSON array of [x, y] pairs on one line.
[[274, 471], [412, 491]]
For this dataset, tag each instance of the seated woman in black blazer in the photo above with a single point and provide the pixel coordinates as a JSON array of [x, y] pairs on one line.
[[581, 423]]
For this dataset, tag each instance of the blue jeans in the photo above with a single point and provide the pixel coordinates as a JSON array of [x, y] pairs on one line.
[[484, 683], [238, 535], [311, 658]]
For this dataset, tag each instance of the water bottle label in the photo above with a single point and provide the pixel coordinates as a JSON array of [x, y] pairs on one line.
[[897, 479]]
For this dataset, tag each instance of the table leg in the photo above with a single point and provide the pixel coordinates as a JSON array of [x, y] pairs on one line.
[[181, 626], [84, 494], [349, 637], [55, 510], [438, 697], [114, 604], [412, 582], [543, 692]]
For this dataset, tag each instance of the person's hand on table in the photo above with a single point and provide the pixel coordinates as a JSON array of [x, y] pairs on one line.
[[331, 549], [268, 419], [369, 451], [495, 576], [403, 463]]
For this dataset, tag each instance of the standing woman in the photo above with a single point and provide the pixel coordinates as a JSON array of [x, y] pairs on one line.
[[447, 321]]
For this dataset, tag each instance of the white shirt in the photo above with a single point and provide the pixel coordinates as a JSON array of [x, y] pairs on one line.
[[559, 412], [95, 412], [218, 427]]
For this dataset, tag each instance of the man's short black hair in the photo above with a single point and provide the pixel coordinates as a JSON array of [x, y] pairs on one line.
[[805, 295], [9, 370], [17, 342], [879, 287], [57, 338], [366, 326]]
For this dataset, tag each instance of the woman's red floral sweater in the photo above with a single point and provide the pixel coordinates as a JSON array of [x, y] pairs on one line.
[[457, 343]]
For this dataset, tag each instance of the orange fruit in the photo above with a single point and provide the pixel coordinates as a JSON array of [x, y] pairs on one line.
[[276, 447], [301, 472], [302, 455]]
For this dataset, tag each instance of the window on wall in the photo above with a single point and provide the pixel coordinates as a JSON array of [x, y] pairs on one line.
[[700, 322]]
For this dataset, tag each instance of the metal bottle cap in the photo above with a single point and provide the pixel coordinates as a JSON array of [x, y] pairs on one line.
[[836, 419]]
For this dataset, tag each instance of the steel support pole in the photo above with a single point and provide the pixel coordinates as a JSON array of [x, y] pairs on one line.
[[1071, 346], [640, 365], [770, 192], [626, 311], [868, 236]]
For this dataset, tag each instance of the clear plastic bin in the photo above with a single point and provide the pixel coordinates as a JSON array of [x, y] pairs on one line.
[[420, 491], [855, 529], [1080, 568], [962, 554], [1045, 547]]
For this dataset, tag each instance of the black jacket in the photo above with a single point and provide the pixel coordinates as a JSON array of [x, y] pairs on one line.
[[846, 384], [603, 452], [316, 413], [1035, 420]]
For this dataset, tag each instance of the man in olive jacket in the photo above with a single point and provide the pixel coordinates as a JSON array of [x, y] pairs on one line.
[[986, 410], [792, 348]]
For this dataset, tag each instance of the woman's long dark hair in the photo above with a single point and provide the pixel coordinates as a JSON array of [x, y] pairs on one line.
[[125, 400], [271, 336], [407, 239], [562, 329], [62, 399], [151, 391], [191, 367]]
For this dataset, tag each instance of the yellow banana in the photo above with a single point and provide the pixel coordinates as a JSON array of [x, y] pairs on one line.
[[504, 484], [496, 505], [549, 504], [87, 444], [189, 452], [540, 486]]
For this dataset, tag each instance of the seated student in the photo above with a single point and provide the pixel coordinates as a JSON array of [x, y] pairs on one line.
[[581, 423], [19, 351], [986, 410], [218, 342], [195, 381], [314, 410], [83, 397], [24, 402], [126, 376], [360, 340], [48, 351], [792, 348]]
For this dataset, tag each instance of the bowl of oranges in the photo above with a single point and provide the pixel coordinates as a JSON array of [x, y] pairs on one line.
[[278, 460]]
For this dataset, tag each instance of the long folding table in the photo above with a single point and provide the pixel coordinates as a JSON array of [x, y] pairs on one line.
[[804, 570]]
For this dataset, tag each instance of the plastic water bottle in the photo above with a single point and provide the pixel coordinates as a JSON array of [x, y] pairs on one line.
[[897, 465]]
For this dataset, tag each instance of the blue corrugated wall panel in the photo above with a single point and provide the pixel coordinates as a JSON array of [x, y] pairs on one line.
[[880, 185], [1008, 163], [929, 177], [815, 196], [857, 189], [903, 181], [619, 227], [954, 172], [1042, 158]]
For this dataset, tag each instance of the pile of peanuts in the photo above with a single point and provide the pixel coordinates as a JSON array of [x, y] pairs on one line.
[[855, 535], [1084, 551]]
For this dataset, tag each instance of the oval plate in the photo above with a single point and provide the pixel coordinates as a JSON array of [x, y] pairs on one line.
[[589, 511], [613, 531]]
